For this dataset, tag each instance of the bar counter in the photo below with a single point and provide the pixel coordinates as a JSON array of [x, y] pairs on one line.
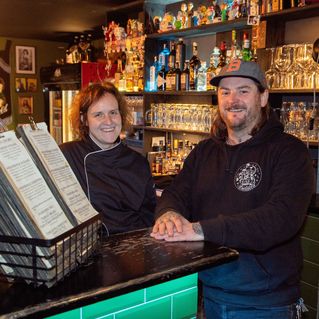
[[124, 263]]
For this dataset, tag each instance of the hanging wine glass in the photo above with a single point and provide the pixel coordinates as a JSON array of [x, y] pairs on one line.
[[272, 73], [305, 61], [282, 62], [294, 72]]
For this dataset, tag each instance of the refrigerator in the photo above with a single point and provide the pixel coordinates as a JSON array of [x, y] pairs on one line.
[[60, 83]]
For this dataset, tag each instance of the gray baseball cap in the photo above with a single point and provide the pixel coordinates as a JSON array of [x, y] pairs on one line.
[[243, 69]]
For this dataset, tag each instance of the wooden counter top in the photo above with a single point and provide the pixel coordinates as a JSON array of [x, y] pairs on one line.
[[124, 263]]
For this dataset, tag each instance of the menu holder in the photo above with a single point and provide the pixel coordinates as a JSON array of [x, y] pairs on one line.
[[42, 200]]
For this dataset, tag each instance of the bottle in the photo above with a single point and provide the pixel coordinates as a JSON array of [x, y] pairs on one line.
[[177, 77], [161, 79], [172, 54], [163, 57], [185, 77], [129, 77], [170, 77], [153, 75], [246, 52], [211, 70], [180, 52], [235, 52], [202, 78], [118, 73], [194, 65]]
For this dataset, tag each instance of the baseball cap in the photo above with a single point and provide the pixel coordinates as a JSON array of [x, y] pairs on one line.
[[244, 69]]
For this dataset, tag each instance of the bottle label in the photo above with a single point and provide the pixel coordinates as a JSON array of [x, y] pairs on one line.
[[160, 81]]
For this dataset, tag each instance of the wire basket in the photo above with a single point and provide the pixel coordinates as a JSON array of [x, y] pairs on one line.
[[39, 261]]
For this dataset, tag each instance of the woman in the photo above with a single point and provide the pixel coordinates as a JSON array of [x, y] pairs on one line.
[[116, 179]]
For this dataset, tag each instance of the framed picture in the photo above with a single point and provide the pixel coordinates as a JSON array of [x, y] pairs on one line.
[[25, 104], [32, 85], [25, 60], [21, 85]]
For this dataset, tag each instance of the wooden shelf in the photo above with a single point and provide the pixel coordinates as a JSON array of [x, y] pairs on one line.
[[159, 129], [291, 91], [208, 93], [200, 30], [307, 11]]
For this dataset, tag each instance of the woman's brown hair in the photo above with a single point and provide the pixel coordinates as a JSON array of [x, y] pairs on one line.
[[89, 95]]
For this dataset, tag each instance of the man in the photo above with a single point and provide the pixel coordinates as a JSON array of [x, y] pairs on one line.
[[246, 187]]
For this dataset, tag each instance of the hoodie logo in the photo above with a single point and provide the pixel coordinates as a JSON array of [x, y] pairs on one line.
[[247, 177]]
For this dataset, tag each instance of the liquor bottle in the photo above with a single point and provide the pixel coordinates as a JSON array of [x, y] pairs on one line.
[[153, 75], [170, 77], [129, 77], [180, 52], [163, 57], [118, 73], [177, 77], [161, 79], [246, 52], [172, 55], [202, 78], [185, 77], [235, 52], [211, 70], [243, 9], [194, 65]]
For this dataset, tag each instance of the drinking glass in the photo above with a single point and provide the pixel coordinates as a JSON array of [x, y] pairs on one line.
[[272, 73], [282, 62]]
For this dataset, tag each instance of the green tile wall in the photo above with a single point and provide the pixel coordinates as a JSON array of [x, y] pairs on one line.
[[175, 299], [310, 272]]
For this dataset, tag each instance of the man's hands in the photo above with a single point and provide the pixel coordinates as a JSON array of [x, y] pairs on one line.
[[172, 226]]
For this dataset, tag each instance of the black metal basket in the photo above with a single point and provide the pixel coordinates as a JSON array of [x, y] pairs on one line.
[[39, 261]]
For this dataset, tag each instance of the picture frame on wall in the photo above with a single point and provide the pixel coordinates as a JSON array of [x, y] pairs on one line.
[[25, 104], [20, 85], [32, 84], [25, 59]]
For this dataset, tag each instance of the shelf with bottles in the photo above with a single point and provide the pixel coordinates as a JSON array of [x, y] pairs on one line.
[[168, 152]]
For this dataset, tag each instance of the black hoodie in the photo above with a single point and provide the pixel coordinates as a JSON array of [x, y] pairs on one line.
[[120, 184], [252, 197]]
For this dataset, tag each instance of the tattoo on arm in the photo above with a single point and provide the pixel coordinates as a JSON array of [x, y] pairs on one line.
[[197, 228]]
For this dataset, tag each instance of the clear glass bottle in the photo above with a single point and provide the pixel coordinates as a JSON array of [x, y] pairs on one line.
[[211, 70], [153, 75], [163, 57], [202, 77]]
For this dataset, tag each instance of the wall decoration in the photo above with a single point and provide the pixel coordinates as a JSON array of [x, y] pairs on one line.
[[5, 98], [25, 104], [25, 60], [21, 85], [32, 85]]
